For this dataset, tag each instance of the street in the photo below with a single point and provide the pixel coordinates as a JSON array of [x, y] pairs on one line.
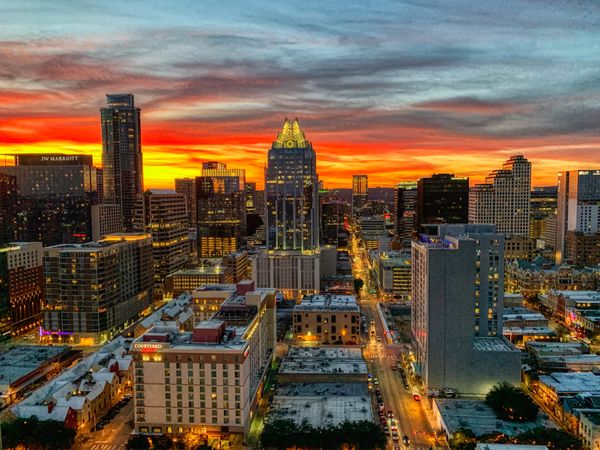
[[114, 435], [381, 354]]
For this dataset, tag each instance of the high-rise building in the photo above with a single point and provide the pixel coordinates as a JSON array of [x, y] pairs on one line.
[[360, 193], [93, 289], [291, 191], [223, 361], [405, 214], [187, 187], [55, 197], [442, 198], [542, 202], [504, 198], [8, 208], [221, 209], [457, 295], [334, 216], [162, 213], [578, 209], [21, 287], [123, 178]]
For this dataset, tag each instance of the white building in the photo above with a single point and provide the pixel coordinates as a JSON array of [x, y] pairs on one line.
[[504, 198], [457, 310], [205, 381]]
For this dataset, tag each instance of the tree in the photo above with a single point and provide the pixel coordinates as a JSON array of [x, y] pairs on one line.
[[32, 433], [553, 439], [463, 439], [511, 403], [138, 442], [358, 285]]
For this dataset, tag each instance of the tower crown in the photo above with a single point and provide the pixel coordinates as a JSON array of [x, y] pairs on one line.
[[291, 136]]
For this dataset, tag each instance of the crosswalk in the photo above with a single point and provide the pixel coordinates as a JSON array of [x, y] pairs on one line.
[[105, 447]]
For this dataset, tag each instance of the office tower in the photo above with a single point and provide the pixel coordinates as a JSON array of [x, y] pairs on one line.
[[291, 191], [543, 202], [404, 210], [443, 198], [187, 187], [239, 264], [123, 176], [8, 208], [21, 287], [578, 210], [221, 209], [55, 196], [457, 295], [255, 211], [106, 219], [93, 289], [162, 213], [360, 193], [504, 198], [334, 216], [239, 339]]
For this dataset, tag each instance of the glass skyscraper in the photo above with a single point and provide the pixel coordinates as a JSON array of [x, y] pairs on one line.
[[291, 191], [122, 155]]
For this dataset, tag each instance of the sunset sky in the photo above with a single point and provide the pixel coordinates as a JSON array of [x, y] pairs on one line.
[[397, 89]]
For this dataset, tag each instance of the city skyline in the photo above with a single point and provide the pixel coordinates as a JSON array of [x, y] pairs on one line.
[[411, 91]]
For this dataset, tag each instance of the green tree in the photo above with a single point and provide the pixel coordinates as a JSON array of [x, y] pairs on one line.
[[358, 285], [463, 439], [37, 434], [138, 442], [553, 439], [511, 403]]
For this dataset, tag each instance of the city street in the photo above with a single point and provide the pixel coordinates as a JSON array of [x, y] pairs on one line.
[[381, 355], [114, 435]]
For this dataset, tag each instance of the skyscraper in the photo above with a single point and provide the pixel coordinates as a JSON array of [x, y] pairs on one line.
[[291, 191], [162, 213], [578, 211], [503, 199], [8, 207], [457, 294], [405, 200], [187, 187], [542, 205], [360, 193], [221, 209], [123, 177], [55, 197], [21, 287], [442, 198]]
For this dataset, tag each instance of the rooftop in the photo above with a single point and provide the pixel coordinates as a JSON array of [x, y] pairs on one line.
[[21, 360], [171, 338], [572, 382], [328, 302], [593, 416], [482, 446], [316, 360], [493, 344]]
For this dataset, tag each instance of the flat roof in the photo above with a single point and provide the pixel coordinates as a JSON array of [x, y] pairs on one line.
[[572, 382], [493, 344], [183, 340], [482, 446], [328, 302], [317, 360], [20, 360]]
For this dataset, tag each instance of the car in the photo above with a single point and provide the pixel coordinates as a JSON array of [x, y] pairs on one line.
[[394, 437], [378, 338], [378, 391], [394, 367], [417, 397], [386, 431], [98, 427], [405, 440], [381, 407], [375, 381], [390, 413], [383, 422]]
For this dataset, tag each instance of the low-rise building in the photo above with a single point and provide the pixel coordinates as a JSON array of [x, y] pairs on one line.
[[81, 395], [328, 319], [323, 365], [486, 446], [521, 325], [186, 280], [177, 312], [589, 428], [393, 271], [206, 381]]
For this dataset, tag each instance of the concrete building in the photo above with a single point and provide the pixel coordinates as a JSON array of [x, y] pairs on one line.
[[543, 202], [393, 270], [239, 264], [187, 187], [442, 198], [457, 310], [8, 208], [404, 211], [327, 319], [518, 247], [106, 219], [360, 193], [589, 429], [221, 209], [323, 365], [504, 199], [578, 208], [122, 165], [582, 249], [162, 213], [94, 289], [209, 380], [21, 287], [186, 280]]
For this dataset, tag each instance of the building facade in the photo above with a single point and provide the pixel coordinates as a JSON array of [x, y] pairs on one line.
[[291, 192], [221, 209], [442, 198], [122, 165], [21, 287], [8, 208], [162, 213], [93, 289], [187, 187], [504, 199], [207, 381], [360, 193], [405, 214]]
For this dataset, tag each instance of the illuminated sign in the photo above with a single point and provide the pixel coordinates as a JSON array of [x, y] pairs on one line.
[[54, 333], [56, 159], [146, 347]]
